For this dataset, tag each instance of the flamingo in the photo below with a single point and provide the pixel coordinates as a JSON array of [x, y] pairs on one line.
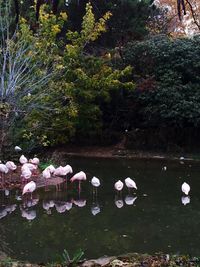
[[11, 165], [67, 169], [119, 185], [26, 174], [80, 176], [185, 188], [29, 188], [35, 161], [46, 174], [30, 166], [63, 171], [96, 183], [51, 168], [130, 183], [58, 171], [23, 159], [3, 171]]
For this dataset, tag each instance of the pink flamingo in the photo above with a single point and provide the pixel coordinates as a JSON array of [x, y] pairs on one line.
[[35, 161], [11, 166], [29, 188], [26, 173], [3, 171], [23, 159], [46, 174], [80, 176]]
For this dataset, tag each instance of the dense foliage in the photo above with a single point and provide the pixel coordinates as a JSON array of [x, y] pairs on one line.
[[76, 67], [168, 90], [71, 105]]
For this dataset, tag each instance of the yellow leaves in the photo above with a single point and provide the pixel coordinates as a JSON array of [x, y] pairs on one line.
[[59, 67], [22, 20], [27, 135], [55, 29], [63, 15], [91, 29]]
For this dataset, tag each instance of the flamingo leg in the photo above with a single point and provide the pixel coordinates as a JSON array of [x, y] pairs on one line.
[[46, 186], [79, 187]]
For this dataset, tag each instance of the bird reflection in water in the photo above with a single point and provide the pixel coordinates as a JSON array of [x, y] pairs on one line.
[[185, 200], [79, 202], [62, 206], [119, 203], [130, 200], [28, 214], [7, 209], [47, 205]]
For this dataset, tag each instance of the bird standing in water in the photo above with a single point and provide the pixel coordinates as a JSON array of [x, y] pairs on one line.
[[29, 188], [119, 185], [130, 183], [95, 183], [185, 188], [80, 176]]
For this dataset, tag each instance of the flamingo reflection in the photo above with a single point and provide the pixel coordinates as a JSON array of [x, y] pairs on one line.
[[28, 214], [129, 200], [119, 203], [79, 202], [185, 200]]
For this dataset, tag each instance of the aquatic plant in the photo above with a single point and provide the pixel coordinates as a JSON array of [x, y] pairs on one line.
[[75, 259]]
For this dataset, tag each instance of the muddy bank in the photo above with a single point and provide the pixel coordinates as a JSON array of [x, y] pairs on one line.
[[128, 260], [114, 152]]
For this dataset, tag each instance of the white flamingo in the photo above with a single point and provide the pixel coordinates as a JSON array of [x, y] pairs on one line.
[[95, 183], [119, 185], [185, 188], [23, 159], [130, 183]]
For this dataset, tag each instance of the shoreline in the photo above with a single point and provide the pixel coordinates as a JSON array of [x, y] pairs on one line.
[[114, 152], [128, 260]]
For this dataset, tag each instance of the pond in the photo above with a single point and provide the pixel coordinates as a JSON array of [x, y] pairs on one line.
[[150, 220]]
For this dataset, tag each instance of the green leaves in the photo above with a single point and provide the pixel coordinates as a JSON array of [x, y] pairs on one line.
[[76, 257]]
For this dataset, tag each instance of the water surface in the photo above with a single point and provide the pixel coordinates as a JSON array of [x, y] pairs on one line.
[[150, 220]]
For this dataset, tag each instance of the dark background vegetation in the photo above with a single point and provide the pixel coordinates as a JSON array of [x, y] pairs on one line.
[[160, 111]]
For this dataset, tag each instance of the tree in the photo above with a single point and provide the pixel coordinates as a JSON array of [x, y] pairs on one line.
[[182, 25], [74, 98], [22, 71]]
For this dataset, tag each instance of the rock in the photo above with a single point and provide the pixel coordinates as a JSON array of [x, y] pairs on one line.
[[103, 261]]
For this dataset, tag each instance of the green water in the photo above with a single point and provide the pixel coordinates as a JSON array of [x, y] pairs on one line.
[[157, 220]]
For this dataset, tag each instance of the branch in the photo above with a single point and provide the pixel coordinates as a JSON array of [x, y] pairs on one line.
[[193, 14]]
